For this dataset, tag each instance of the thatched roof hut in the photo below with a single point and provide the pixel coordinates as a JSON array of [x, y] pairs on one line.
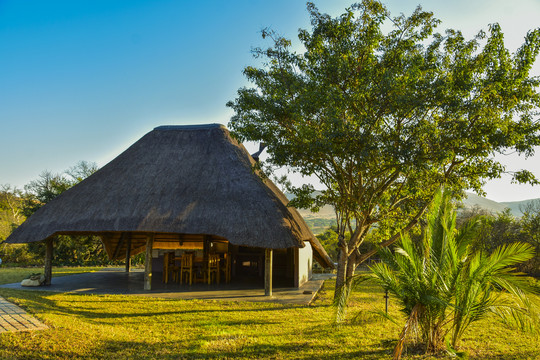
[[176, 180]]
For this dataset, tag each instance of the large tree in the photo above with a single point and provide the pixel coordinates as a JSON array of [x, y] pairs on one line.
[[383, 119]]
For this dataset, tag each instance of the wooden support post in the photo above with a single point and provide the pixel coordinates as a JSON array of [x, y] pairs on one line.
[[166, 260], [148, 263], [128, 254], [48, 260], [268, 272], [206, 249]]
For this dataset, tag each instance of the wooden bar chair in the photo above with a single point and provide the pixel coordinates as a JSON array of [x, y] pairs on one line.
[[186, 267], [226, 267], [173, 268], [213, 268]]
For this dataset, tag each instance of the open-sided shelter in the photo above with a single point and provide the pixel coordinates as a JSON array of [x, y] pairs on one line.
[[179, 189]]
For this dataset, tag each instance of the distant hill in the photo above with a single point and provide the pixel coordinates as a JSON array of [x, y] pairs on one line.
[[516, 206], [473, 200], [319, 221], [326, 212], [495, 207]]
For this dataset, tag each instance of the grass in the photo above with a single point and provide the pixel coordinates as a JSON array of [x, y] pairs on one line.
[[10, 275], [130, 327]]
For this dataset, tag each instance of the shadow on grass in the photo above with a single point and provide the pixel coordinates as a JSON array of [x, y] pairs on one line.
[[292, 351], [220, 335], [238, 348], [39, 302], [208, 348], [135, 350], [264, 343]]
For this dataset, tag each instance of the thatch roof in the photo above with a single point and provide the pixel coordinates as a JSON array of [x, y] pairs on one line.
[[177, 179]]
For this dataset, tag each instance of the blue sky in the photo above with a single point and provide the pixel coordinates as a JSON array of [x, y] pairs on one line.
[[82, 80]]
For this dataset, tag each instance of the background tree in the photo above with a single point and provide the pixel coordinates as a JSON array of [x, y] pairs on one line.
[[10, 210], [503, 229], [384, 119], [11, 216], [329, 240], [48, 185], [530, 225], [69, 250], [42, 190]]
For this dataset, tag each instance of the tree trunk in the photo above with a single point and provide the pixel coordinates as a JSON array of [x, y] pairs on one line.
[[341, 266], [351, 264]]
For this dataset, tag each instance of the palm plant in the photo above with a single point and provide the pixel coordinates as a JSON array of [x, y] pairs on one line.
[[444, 285]]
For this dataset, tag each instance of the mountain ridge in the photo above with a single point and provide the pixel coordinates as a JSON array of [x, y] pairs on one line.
[[472, 200]]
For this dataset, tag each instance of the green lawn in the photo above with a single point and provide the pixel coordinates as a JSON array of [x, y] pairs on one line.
[[10, 275], [120, 327]]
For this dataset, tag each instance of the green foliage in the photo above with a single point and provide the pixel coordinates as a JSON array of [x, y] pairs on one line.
[[329, 240], [18, 255], [15, 205], [73, 251], [530, 222], [10, 210], [443, 284], [383, 119], [503, 228], [11, 216], [48, 185]]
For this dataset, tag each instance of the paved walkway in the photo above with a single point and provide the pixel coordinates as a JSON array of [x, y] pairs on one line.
[[13, 318], [116, 281]]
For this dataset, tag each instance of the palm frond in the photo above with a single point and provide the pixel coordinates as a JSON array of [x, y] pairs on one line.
[[520, 314], [444, 284], [509, 255]]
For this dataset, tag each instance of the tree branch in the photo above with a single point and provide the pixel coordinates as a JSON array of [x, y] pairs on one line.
[[396, 236]]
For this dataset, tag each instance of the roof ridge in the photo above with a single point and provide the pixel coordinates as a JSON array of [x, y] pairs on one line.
[[190, 127]]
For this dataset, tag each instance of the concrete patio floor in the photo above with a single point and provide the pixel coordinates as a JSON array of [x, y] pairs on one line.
[[117, 282]]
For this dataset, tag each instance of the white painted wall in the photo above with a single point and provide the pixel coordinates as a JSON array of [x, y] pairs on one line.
[[304, 263]]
